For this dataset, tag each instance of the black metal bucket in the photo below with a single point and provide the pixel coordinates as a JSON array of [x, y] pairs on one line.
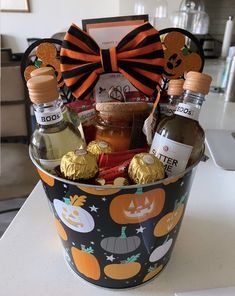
[[118, 237]]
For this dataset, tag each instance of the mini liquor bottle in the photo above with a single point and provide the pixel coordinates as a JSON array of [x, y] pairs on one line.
[[175, 95], [68, 113], [179, 139], [170, 99], [53, 136]]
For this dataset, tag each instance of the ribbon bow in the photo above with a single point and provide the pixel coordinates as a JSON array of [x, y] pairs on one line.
[[138, 56]]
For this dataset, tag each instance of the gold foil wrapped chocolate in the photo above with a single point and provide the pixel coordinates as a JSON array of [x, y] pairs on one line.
[[79, 164], [98, 147], [120, 181], [145, 168]]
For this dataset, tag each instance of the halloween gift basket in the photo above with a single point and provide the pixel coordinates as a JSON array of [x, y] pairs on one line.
[[116, 210]]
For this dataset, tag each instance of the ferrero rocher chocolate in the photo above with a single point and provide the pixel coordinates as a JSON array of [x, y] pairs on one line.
[[145, 168], [79, 164], [120, 181], [98, 147]]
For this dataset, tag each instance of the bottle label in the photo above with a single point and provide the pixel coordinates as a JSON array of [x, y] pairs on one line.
[[167, 109], [173, 155], [49, 164], [48, 118], [187, 110]]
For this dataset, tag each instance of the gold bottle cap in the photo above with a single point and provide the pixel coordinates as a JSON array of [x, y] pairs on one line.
[[175, 87], [43, 71], [79, 164], [42, 89], [197, 82], [98, 147], [146, 168]]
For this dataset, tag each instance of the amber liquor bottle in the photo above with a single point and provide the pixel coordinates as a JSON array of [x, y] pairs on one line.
[[170, 99], [179, 139]]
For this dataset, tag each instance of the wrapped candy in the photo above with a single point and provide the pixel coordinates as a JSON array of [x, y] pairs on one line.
[[98, 147], [145, 168], [79, 164]]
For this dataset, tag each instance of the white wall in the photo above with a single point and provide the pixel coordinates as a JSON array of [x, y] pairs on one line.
[[126, 7], [47, 17]]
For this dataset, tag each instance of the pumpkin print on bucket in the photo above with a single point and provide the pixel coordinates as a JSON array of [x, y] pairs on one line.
[[138, 207], [72, 215], [99, 191], [124, 270], [161, 251], [85, 262], [121, 244], [170, 220], [152, 271], [46, 178], [60, 230]]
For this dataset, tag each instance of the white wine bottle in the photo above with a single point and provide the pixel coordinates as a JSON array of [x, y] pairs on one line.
[[179, 139], [53, 136]]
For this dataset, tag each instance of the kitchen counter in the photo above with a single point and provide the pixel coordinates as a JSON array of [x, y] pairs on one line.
[[31, 256]]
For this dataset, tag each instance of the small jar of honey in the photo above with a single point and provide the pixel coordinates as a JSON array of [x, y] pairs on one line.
[[114, 123]]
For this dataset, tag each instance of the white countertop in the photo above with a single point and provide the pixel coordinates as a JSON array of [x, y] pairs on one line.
[[32, 262]]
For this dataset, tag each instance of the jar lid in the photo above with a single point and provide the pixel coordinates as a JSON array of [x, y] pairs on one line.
[[42, 89], [122, 107], [197, 82], [175, 87], [43, 71]]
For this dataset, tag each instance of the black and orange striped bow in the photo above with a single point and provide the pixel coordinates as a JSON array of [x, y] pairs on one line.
[[138, 56]]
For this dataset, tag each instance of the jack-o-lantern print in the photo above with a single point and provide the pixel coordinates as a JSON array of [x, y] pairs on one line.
[[178, 59], [138, 207], [72, 215], [169, 221]]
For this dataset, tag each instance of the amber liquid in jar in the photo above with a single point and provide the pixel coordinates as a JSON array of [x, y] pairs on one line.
[[114, 123], [115, 130]]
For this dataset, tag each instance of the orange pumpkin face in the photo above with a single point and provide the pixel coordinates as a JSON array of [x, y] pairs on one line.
[[168, 222], [98, 191], [135, 208]]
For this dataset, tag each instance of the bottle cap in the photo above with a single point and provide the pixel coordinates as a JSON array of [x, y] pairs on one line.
[[175, 87], [197, 82], [43, 71], [42, 89]]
